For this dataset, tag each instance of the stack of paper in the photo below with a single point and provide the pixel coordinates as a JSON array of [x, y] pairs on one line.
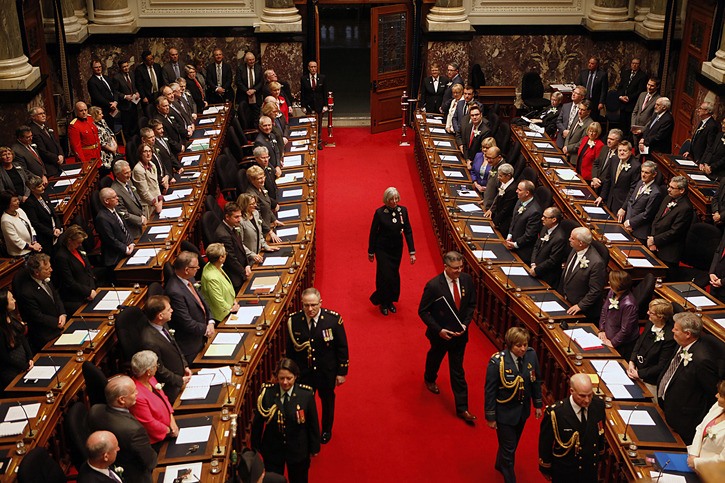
[[566, 174], [77, 337], [15, 413], [193, 434], [173, 212], [484, 254], [111, 300], [12, 429], [189, 160], [220, 375], [264, 284], [437, 130], [636, 417], [452, 174], [197, 387], [514, 271], [700, 301], [212, 110], [301, 142], [297, 149], [434, 120], [178, 194], [481, 229], [614, 376], [212, 132], [245, 315], [208, 120], [274, 261], [595, 210], [553, 160], [298, 133], [442, 144], [42, 373], [159, 232], [306, 120], [224, 344], [585, 340], [141, 256], [470, 208]]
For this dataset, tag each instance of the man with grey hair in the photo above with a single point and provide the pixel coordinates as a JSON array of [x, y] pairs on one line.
[[705, 134], [657, 135], [569, 114], [671, 224], [494, 157], [267, 139], [585, 274], [261, 156], [686, 389], [502, 208], [116, 238], [129, 204], [602, 166], [642, 203], [46, 141], [525, 223], [102, 448]]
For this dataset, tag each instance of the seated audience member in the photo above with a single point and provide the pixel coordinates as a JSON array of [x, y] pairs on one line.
[[18, 233], [109, 145], [545, 117], [129, 203], [229, 232], [577, 131], [145, 179], [26, 153], [195, 88], [619, 323], [41, 306], [15, 353], [601, 168], [457, 91], [657, 134], [642, 203], [713, 161], [267, 138], [266, 206], [136, 456], [482, 166], [116, 239], [83, 136], [584, 276], [706, 133], [47, 224], [623, 175], [12, 176], [173, 370], [216, 286], [655, 346], [550, 250], [252, 233], [671, 223], [191, 318], [708, 444], [261, 157], [493, 154], [525, 222], [685, 388], [152, 409], [47, 144], [73, 272], [102, 448], [589, 149], [502, 208]]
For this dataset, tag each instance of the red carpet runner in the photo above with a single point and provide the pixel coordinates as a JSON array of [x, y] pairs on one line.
[[388, 427]]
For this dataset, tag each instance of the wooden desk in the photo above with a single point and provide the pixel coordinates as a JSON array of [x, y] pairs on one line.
[[204, 474], [173, 453], [658, 437], [243, 351], [700, 189], [573, 350], [689, 296], [69, 376]]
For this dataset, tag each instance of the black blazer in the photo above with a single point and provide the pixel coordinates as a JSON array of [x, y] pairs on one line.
[[265, 206], [600, 86], [113, 240], [584, 286], [640, 211], [236, 261], [171, 360], [313, 100], [670, 230], [212, 83], [38, 309], [715, 156], [464, 136], [169, 74], [189, 318], [631, 88], [42, 220], [550, 255], [652, 358], [122, 89], [601, 168], [88, 475], [196, 94], [137, 457], [437, 287], [244, 83], [143, 82], [102, 95], [717, 266], [173, 128], [129, 207], [658, 137], [48, 147], [432, 99], [614, 193], [525, 227], [701, 139], [75, 280], [448, 93], [502, 209], [273, 146]]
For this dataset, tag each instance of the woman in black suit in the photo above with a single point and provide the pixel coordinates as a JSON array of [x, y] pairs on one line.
[[655, 347], [15, 353], [72, 270], [390, 224], [41, 214]]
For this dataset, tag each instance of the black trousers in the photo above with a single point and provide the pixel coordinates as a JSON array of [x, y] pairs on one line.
[[327, 398], [455, 349], [296, 472], [508, 440]]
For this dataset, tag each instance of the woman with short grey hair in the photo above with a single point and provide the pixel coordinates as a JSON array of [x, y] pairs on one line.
[[152, 409]]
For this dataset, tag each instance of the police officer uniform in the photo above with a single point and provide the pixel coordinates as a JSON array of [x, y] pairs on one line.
[[83, 139], [285, 430], [320, 350], [511, 384], [569, 450]]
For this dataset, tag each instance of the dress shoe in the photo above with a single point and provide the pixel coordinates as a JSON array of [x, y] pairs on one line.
[[432, 387], [320, 146], [326, 437], [467, 417], [392, 308], [383, 310]]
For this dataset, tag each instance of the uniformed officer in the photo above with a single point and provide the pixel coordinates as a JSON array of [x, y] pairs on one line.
[[512, 381], [285, 428], [571, 440], [83, 135], [318, 344]]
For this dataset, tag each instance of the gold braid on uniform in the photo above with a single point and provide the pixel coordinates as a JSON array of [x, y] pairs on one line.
[[268, 414], [572, 443], [298, 347], [517, 384]]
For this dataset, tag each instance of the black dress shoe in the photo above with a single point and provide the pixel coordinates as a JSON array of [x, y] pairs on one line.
[[392, 308], [320, 146], [383, 310], [326, 437]]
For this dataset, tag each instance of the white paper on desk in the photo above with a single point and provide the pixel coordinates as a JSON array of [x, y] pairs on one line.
[[15, 413], [685, 162], [293, 213], [297, 149], [567, 174], [481, 229], [700, 177], [245, 315], [160, 229], [137, 260], [220, 350], [172, 472], [212, 132], [112, 299], [616, 237], [442, 144], [453, 174], [470, 208], [71, 338], [188, 160], [552, 306], [293, 230], [720, 321], [208, 120], [273, 261], [41, 372], [612, 372], [534, 133], [289, 178], [574, 192], [467, 194], [700, 301], [437, 130], [200, 142], [143, 252], [484, 254], [224, 338], [12, 429], [553, 160], [195, 434], [212, 110], [299, 133], [178, 194], [292, 161], [301, 142], [544, 145], [71, 172], [173, 212], [619, 391], [640, 417], [306, 120], [194, 392], [65, 182], [291, 193], [261, 283], [434, 120], [449, 157], [200, 380], [639, 262], [512, 270], [595, 210], [191, 175], [666, 477], [586, 340], [220, 375]]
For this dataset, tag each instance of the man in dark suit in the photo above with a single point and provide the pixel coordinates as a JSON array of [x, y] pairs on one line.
[[317, 342], [671, 224], [452, 72], [173, 128], [102, 448], [314, 94], [173, 370], [525, 223], [432, 90], [713, 161], [643, 201], [569, 114], [26, 153], [149, 78], [596, 82], [219, 80], [474, 129], [181, 108], [623, 175], [717, 205], [575, 421], [39, 302], [657, 135], [101, 92], [249, 88], [632, 82], [116, 239], [545, 117], [161, 155], [584, 276], [174, 68], [191, 317], [550, 249], [136, 457], [645, 105], [46, 143], [576, 132], [446, 308], [513, 382], [229, 232], [706, 133], [462, 107], [601, 168], [267, 139], [685, 389], [129, 204], [493, 156], [124, 86], [502, 208], [48, 225]]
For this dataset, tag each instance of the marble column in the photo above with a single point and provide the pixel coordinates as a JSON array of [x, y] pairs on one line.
[[653, 26], [81, 10], [715, 69], [16, 73], [609, 15], [641, 9], [279, 16], [75, 33], [448, 16], [112, 16]]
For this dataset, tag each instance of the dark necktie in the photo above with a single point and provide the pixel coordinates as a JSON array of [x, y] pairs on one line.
[[120, 222], [518, 364], [128, 81], [590, 83], [285, 400], [584, 417]]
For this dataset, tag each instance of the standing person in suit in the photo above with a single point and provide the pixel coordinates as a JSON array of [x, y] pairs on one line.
[[525, 223], [642, 204], [717, 268], [705, 135], [48, 225], [433, 88], [657, 135], [584, 276], [685, 388], [493, 157], [249, 88], [317, 343], [314, 95], [229, 233], [619, 320], [708, 444], [192, 318], [457, 90], [632, 82], [596, 82], [577, 131], [46, 142], [571, 439], [545, 117], [569, 115], [267, 139], [164, 153], [623, 175], [124, 86], [482, 167], [549, 250], [513, 382], [601, 167], [453, 78], [102, 448], [26, 153], [265, 204], [589, 149], [17, 231], [149, 79], [73, 271], [474, 129], [219, 79], [285, 426], [100, 90], [644, 108], [129, 203], [252, 230], [195, 88], [116, 239], [502, 208], [713, 161], [173, 128], [173, 370], [449, 296], [390, 225], [671, 224], [40, 304], [145, 178], [12, 175], [216, 286], [174, 68], [136, 456], [462, 107]]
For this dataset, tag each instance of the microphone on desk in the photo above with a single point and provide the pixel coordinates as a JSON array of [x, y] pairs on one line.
[[598, 391], [662, 470], [115, 291], [687, 292], [90, 336], [281, 282], [219, 448], [568, 346], [57, 379], [230, 400], [508, 275], [157, 262], [245, 357], [623, 436], [31, 433], [483, 249], [541, 302]]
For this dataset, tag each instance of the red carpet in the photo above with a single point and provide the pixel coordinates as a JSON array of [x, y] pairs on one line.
[[388, 427]]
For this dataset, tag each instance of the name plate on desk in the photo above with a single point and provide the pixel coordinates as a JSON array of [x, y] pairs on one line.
[[177, 194], [555, 160], [155, 234], [458, 174], [298, 133], [481, 230], [290, 194], [292, 161]]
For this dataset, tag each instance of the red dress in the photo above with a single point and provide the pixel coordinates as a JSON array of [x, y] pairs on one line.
[[587, 155], [153, 410]]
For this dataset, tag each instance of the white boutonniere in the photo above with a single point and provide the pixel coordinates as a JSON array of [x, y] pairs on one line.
[[709, 433], [545, 238], [476, 132], [159, 386], [613, 303], [34, 145], [118, 470], [626, 166], [501, 191], [171, 117], [265, 191], [671, 204], [723, 139], [590, 143], [583, 263], [197, 285], [521, 209], [686, 357], [50, 130], [238, 229], [660, 336], [172, 332], [82, 252], [449, 84], [647, 191]]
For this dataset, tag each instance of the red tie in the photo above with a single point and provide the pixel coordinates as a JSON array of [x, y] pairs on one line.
[[456, 295], [196, 295], [314, 82]]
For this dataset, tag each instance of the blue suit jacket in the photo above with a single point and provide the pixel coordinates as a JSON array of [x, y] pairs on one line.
[[189, 318]]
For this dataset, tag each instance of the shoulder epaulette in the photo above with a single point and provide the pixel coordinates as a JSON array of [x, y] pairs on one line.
[[305, 386], [73, 121], [267, 384]]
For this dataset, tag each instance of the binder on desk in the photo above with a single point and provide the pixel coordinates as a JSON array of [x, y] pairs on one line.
[[677, 462], [445, 315]]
